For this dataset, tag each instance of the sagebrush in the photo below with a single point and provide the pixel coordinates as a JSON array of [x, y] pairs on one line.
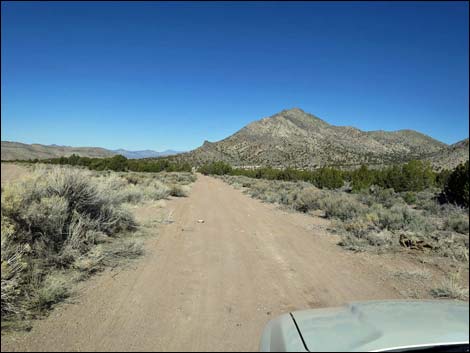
[[376, 218], [63, 224]]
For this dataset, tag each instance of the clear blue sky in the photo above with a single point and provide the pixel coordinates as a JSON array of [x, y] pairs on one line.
[[140, 75]]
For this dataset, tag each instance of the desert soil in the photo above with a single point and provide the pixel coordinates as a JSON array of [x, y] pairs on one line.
[[211, 279]]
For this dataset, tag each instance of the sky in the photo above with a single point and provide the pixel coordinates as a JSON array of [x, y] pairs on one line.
[[155, 75]]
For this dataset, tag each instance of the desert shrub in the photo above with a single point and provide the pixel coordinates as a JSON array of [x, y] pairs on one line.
[[328, 178], [458, 223], [409, 197], [412, 176], [450, 288], [178, 190], [379, 240], [394, 218], [120, 189], [120, 163], [109, 254], [342, 206], [308, 199], [182, 178], [376, 218], [427, 200], [385, 197], [442, 177], [401, 217], [457, 186], [48, 221], [358, 227], [53, 289], [362, 178], [216, 168], [134, 188], [156, 191], [287, 197], [270, 197]]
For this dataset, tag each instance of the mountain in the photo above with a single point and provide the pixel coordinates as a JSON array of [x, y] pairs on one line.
[[294, 138], [145, 153], [450, 156], [17, 150]]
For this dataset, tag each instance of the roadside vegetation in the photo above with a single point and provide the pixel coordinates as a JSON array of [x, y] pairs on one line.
[[59, 225], [414, 176], [116, 163], [418, 215]]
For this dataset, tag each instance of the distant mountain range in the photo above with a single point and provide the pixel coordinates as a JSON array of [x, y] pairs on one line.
[[294, 138], [17, 150], [291, 138], [145, 153]]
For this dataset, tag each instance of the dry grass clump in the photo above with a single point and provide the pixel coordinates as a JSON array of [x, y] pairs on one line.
[[179, 178], [157, 186], [178, 190], [379, 240], [450, 288], [109, 254]]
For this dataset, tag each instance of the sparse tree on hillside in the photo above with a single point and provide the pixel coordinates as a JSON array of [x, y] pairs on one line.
[[457, 186]]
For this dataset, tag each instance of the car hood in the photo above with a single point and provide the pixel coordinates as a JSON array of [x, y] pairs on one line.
[[383, 325]]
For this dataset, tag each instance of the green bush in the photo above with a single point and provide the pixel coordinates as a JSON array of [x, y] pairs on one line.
[[362, 178], [216, 168], [409, 197], [457, 187], [413, 176], [120, 163], [328, 178]]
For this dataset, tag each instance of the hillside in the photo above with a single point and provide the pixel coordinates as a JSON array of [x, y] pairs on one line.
[[17, 150], [297, 139], [450, 156]]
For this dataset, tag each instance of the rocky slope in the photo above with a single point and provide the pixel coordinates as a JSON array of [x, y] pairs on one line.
[[450, 156], [298, 139]]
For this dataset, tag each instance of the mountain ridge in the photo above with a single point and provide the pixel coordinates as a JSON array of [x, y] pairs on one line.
[[290, 138], [145, 153], [451, 156], [294, 138], [11, 150]]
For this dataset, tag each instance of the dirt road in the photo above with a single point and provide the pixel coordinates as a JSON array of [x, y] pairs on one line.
[[213, 285]]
